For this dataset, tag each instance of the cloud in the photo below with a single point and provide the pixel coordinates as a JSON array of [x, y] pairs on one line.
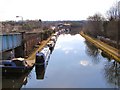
[[85, 63]]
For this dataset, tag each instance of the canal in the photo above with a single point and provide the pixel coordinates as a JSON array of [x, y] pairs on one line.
[[74, 63]]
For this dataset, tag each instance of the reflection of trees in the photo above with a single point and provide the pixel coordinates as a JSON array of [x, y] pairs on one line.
[[74, 31], [93, 52], [112, 73], [105, 55]]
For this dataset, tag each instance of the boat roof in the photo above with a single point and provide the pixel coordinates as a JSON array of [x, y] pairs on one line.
[[40, 54], [9, 61], [43, 52], [20, 59], [53, 37], [51, 41], [5, 61]]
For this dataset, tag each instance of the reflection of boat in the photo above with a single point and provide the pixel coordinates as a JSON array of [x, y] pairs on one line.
[[40, 71], [14, 66], [11, 82], [42, 56]]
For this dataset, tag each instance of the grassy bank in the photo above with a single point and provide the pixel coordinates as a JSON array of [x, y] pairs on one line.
[[113, 52]]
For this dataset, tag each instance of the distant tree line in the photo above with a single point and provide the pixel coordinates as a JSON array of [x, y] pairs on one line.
[[32, 24], [27, 25], [106, 29], [45, 34]]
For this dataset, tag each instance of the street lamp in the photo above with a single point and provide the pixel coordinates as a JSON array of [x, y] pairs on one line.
[[21, 17], [118, 25], [23, 43]]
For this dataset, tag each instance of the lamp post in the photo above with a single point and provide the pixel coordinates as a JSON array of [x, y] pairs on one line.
[[118, 26], [21, 19], [23, 43]]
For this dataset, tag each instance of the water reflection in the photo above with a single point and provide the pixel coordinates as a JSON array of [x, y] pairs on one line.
[[92, 51], [84, 62], [14, 82], [105, 55], [112, 73], [111, 67], [40, 71]]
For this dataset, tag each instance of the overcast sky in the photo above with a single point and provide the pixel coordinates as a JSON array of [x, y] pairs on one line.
[[52, 9]]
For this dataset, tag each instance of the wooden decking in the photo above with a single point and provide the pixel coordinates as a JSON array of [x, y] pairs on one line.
[[113, 52]]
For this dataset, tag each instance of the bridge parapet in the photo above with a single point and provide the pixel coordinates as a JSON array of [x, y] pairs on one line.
[[10, 41]]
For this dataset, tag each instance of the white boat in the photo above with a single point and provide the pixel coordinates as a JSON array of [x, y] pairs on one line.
[[56, 34], [53, 38], [51, 45]]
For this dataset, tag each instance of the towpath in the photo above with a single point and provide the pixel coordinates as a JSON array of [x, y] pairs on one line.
[[31, 58], [105, 47]]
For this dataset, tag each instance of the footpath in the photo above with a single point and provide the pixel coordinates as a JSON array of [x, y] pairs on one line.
[[113, 52], [31, 59]]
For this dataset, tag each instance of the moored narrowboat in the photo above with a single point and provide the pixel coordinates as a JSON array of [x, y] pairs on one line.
[[14, 66], [51, 45], [42, 56], [53, 38]]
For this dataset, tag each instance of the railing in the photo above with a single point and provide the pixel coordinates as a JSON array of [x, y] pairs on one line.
[[10, 41]]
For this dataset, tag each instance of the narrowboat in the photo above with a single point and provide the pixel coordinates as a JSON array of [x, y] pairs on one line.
[[51, 45], [42, 56], [53, 38], [56, 34], [14, 66]]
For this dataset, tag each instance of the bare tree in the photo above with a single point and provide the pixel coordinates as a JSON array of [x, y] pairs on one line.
[[112, 13], [94, 25], [113, 26]]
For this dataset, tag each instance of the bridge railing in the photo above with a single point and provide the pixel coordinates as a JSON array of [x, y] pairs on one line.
[[10, 41]]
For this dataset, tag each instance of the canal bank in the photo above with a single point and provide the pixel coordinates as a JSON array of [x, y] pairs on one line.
[[113, 52], [31, 58]]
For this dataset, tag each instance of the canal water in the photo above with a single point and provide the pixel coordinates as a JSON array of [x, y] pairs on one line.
[[74, 63]]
